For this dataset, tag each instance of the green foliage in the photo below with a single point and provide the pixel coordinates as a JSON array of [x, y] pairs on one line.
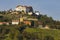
[[29, 34], [42, 34], [13, 32]]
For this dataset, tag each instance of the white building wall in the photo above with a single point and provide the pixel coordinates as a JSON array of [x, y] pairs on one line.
[[20, 8], [30, 13], [15, 23]]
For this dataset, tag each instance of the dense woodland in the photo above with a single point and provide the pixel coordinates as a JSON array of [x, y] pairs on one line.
[[17, 32]]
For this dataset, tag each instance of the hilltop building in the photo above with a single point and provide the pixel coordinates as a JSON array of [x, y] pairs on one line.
[[4, 23], [27, 22], [37, 12], [15, 22], [25, 9]]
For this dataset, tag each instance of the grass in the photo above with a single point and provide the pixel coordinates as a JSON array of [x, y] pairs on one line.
[[44, 32], [41, 33]]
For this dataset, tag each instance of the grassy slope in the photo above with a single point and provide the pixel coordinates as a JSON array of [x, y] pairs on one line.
[[44, 32]]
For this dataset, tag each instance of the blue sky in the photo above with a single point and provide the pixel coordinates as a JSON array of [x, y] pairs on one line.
[[49, 7]]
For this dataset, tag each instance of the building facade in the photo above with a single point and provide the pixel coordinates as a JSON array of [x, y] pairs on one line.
[[25, 9], [15, 22]]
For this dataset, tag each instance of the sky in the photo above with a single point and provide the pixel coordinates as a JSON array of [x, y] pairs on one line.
[[46, 7]]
